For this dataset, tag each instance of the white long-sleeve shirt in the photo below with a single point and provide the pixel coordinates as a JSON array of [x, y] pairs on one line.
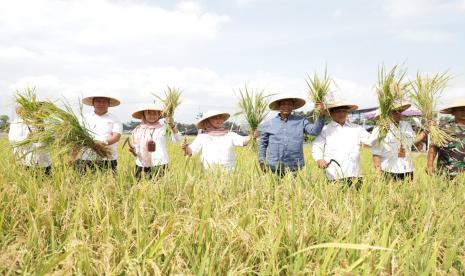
[[341, 143], [29, 156], [160, 155], [217, 150], [101, 129], [388, 148]]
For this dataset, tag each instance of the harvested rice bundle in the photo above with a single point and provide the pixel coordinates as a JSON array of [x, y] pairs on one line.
[[60, 130], [391, 91], [30, 108], [253, 106], [424, 93], [171, 101], [318, 89]]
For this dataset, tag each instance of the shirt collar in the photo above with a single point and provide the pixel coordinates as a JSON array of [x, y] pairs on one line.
[[335, 124], [96, 115], [284, 120]]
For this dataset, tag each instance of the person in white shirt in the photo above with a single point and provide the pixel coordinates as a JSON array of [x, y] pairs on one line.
[[148, 141], [29, 157], [215, 143], [105, 129], [337, 148], [391, 155]]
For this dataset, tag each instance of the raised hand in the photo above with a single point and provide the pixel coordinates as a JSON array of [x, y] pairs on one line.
[[322, 164], [132, 150], [170, 121], [320, 106], [185, 146]]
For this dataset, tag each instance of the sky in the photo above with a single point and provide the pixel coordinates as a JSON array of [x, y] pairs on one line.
[[212, 49]]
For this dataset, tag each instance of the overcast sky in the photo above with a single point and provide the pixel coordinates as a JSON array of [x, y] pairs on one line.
[[210, 49]]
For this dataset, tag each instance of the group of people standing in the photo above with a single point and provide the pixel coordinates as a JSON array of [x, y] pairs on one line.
[[336, 148]]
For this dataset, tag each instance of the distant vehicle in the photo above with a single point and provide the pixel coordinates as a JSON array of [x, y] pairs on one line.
[[369, 128], [192, 131], [242, 133]]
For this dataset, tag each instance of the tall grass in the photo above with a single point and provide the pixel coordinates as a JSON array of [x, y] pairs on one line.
[[171, 100], [29, 105], [195, 222], [253, 106], [425, 92], [391, 90], [319, 89]]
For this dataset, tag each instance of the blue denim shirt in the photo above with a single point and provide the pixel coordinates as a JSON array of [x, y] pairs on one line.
[[281, 141]]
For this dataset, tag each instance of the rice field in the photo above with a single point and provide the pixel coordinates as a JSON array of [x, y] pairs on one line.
[[204, 223]]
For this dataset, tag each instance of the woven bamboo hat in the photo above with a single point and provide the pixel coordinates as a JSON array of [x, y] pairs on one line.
[[139, 114], [209, 114], [340, 103], [448, 108], [298, 102], [90, 99]]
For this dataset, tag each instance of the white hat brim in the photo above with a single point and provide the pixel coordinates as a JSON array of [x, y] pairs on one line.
[[448, 108], [90, 100], [139, 114], [208, 115], [298, 103], [352, 107]]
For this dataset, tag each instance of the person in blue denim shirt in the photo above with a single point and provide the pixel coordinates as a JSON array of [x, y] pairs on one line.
[[280, 147]]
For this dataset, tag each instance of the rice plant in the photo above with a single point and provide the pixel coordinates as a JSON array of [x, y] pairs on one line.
[[194, 222], [253, 106], [171, 100], [29, 106], [319, 89], [56, 129], [424, 93], [391, 90]]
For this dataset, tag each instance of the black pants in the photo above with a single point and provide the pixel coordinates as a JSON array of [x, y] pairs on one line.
[[82, 166], [281, 171], [150, 172], [47, 170], [398, 176], [349, 182]]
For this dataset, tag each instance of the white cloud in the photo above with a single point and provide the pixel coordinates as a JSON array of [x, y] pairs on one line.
[[248, 2], [338, 13], [12, 53], [189, 6], [203, 88], [102, 22], [425, 36], [362, 95], [416, 8]]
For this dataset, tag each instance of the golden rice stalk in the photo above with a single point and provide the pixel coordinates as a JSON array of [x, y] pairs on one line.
[[171, 100], [318, 89], [424, 93], [29, 106], [56, 129], [390, 89], [253, 106]]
